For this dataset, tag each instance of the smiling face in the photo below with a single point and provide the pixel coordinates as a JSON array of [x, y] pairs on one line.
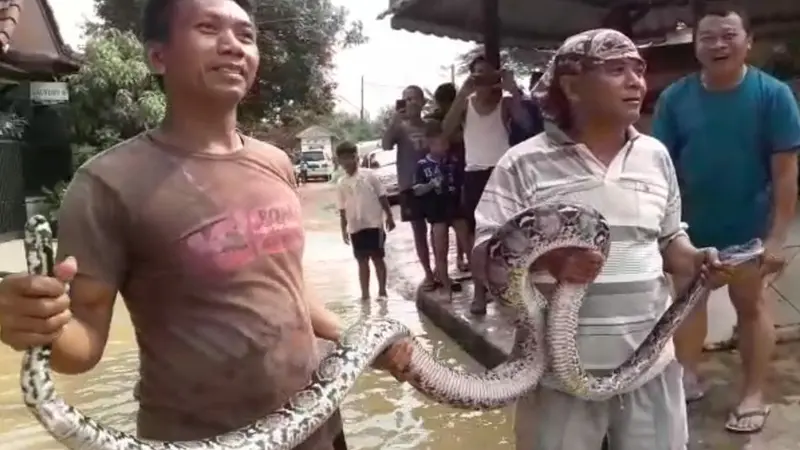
[[722, 43], [210, 51], [612, 91]]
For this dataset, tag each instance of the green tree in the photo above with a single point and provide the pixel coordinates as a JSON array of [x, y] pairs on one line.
[[780, 59], [297, 39], [520, 60], [384, 117], [350, 127], [112, 97]]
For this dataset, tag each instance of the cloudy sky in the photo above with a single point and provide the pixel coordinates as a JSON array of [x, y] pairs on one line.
[[392, 59]]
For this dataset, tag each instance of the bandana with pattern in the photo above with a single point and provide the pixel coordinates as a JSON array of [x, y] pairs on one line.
[[578, 53]]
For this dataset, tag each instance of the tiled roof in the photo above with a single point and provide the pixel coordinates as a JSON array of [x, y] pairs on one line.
[[9, 16], [10, 13]]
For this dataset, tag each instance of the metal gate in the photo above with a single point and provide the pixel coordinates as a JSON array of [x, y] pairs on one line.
[[12, 191]]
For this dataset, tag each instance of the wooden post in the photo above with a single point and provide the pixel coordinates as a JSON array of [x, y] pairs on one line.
[[619, 18], [491, 31], [698, 8]]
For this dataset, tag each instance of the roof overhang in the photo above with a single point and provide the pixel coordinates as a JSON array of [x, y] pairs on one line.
[[546, 23]]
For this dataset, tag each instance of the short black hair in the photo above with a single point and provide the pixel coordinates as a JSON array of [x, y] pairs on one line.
[[346, 148], [416, 89], [433, 128], [725, 10], [157, 18], [475, 61], [445, 93]]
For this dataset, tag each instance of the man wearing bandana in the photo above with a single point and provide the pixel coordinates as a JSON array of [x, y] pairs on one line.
[[590, 154]]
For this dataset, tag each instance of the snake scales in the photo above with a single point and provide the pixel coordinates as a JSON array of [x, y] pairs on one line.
[[540, 343]]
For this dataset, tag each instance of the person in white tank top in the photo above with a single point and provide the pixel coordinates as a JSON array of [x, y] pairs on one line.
[[485, 113]]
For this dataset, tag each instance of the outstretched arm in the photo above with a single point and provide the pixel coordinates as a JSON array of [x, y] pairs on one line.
[[90, 224], [325, 323]]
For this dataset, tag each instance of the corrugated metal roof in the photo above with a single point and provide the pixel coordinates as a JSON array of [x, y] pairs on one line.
[[545, 23]]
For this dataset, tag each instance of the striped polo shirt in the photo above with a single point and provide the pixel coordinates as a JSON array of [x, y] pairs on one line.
[[638, 195]]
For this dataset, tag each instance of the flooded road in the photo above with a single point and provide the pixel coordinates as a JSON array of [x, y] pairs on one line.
[[379, 413]]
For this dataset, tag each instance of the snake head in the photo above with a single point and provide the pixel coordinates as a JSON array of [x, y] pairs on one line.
[[737, 254]]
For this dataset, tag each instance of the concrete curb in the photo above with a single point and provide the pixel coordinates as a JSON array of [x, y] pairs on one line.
[[482, 348], [479, 346], [783, 334]]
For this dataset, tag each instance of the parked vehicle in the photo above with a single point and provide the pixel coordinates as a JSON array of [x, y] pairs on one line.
[[384, 164], [320, 163], [367, 147]]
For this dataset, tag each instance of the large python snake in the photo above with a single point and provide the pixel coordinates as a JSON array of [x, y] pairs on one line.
[[511, 251]]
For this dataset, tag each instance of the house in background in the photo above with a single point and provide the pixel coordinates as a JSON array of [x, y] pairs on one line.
[[34, 138], [316, 149]]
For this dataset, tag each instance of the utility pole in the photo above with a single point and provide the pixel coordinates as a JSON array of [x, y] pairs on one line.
[[361, 113], [453, 73]]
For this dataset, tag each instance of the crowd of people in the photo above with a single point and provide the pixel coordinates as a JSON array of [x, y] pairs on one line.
[[205, 243], [490, 150]]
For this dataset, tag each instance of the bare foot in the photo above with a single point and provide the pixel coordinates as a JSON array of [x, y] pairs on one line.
[[693, 386]]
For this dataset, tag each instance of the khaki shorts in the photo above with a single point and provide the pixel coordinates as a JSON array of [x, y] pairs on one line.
[[652, 417]]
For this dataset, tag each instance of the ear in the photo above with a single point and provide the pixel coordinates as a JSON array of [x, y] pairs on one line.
[[567, 85], [749, 42], [155, 57]]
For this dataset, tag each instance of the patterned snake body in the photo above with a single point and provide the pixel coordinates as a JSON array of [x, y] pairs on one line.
[[512, 250]]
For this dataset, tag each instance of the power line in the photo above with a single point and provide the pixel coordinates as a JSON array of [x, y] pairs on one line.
[[344, 99], [384, 86]]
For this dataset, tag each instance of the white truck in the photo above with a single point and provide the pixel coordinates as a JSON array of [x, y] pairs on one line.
[[318, 155]]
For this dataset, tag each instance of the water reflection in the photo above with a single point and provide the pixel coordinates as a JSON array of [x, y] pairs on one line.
[[379, 413]]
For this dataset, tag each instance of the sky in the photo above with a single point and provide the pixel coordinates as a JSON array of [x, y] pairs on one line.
[[390, 60]]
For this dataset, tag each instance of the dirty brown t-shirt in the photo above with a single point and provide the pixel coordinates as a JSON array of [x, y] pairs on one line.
[[206, 251]]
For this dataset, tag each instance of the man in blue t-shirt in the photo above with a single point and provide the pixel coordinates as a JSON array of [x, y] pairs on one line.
[[733, 132]]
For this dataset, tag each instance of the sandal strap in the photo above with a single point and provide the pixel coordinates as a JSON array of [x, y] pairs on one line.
[[746, 414]]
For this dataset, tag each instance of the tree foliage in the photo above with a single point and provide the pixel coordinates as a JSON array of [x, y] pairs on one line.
[[298, 40], [113, 96], [350, 127], [519, 60], [781, 59]]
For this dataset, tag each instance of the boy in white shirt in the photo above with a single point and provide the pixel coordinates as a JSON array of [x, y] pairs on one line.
[[362, 205]]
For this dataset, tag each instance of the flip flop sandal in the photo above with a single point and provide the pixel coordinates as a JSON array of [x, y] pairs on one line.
[[736, 417], [430, 285], [695, 396]]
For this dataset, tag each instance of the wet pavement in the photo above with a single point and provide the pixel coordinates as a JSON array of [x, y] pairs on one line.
[[489, 338], [378, 413]]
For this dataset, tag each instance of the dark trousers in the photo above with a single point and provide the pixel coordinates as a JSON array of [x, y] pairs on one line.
[[471, 192]]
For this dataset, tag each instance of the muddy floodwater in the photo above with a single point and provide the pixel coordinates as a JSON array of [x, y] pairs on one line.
[[378, 413]]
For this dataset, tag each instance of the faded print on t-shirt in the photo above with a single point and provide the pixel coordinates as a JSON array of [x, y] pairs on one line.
[[411, 147], [207, 253]]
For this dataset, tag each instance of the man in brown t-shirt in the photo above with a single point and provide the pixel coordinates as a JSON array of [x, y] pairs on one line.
[[200, 229]]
